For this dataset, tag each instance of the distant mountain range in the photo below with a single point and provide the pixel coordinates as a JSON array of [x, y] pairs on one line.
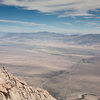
[[87, 39]]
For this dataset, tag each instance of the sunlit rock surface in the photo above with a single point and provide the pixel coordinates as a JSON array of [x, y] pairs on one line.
[[12, 88]]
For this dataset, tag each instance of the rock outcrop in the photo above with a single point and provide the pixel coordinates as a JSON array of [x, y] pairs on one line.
[[12, 88]]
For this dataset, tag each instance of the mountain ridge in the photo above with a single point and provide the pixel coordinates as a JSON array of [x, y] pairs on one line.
[[84, 39], [11, 88]]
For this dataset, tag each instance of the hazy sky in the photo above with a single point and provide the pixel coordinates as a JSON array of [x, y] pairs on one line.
[[63, 16]]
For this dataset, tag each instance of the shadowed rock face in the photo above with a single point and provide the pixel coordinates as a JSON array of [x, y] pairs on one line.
[[12, 88]]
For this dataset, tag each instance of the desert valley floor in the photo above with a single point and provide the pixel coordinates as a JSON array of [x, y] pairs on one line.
[[66, 70]]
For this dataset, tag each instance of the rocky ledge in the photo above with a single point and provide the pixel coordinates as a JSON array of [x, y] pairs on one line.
[[11, 88]]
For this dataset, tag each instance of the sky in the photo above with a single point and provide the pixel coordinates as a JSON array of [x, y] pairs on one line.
[[60, 16]]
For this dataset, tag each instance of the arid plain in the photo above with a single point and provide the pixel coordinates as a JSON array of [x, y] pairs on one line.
[[68, 66]]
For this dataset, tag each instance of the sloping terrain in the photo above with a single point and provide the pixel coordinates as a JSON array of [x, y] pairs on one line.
[[67, 66], [12, 88], [88, 39]]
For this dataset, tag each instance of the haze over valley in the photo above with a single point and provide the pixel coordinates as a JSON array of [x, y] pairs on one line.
[[53, 45], [65, 65]]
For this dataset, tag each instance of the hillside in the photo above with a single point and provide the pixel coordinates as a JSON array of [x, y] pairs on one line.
[[12, 88], [86, 39]]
